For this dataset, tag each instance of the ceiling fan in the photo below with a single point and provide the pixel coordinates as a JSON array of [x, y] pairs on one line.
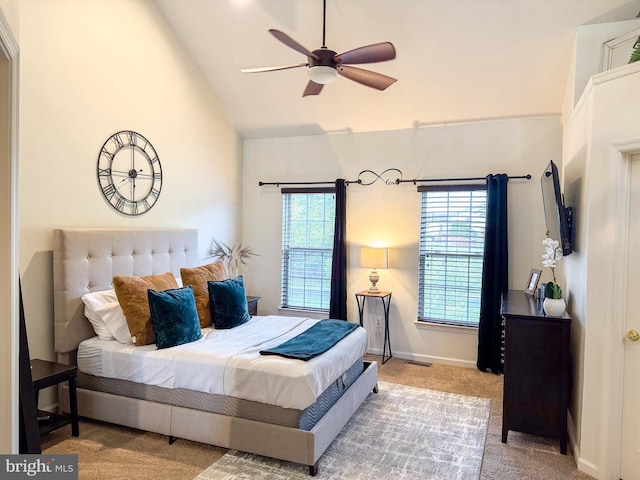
[[325, 65]]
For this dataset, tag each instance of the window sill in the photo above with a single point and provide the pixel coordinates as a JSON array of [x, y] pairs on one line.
[[443, 327], [293, 312]]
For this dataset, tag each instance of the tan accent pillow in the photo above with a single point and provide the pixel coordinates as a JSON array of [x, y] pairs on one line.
[[133, 298], [198, 277]]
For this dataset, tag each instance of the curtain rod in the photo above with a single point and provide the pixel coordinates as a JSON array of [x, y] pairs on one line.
[[468, 179], [277, 184], [375, 177]]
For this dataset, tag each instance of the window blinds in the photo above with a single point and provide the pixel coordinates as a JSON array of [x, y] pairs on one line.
[[452, 229], [308, 218]]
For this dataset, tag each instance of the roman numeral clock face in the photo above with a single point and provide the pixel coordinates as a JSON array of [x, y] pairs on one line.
[[129, 173]]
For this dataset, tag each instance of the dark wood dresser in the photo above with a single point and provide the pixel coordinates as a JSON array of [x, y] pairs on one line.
[[536, 369]]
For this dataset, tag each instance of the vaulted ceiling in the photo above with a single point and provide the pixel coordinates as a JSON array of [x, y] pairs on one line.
[[457, 60]]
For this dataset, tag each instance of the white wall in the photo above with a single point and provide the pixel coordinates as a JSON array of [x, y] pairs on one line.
[[604, 116], [391, 213], [88, 70], [590, 49]]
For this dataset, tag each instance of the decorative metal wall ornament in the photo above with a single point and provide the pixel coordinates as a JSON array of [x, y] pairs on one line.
[[374, 177]]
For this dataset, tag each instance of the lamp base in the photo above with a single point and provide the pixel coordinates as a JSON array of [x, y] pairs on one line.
[[373, 278]]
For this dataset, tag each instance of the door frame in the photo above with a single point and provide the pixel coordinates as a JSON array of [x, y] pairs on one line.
[[612, 423], [9, 49]]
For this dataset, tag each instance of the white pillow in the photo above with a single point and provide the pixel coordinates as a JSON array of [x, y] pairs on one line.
[[90, 305], [106, 316]]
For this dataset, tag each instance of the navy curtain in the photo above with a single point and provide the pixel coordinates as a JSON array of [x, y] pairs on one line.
[[494, 276], [338, 299]]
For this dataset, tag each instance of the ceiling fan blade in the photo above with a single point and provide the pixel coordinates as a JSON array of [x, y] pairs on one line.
[[313, 88], [378, 52], [272, 69], [290, 42], [366, 77]]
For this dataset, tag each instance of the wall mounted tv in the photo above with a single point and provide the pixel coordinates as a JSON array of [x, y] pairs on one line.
[[558, 217]]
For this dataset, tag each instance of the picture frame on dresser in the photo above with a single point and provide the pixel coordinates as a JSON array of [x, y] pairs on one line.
[[532, 282]]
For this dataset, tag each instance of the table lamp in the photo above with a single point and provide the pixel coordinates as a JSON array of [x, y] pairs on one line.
[[374, 258]]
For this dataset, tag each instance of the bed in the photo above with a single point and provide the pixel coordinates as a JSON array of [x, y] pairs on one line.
[[86, 259]]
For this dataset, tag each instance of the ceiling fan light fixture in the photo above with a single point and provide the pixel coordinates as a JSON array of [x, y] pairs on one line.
[[322, 74]]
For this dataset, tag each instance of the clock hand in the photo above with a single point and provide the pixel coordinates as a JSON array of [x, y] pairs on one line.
[[133, 175], [122, 182], [128, 173], [119, 173]]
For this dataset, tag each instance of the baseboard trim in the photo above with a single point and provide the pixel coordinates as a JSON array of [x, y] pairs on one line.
[[587, 467], [582, 464]]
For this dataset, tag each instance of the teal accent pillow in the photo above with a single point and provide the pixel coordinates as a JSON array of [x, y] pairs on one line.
[[228, 303], [174, 316]]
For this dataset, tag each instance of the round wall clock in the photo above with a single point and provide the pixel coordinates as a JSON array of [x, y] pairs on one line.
[[129, 173]]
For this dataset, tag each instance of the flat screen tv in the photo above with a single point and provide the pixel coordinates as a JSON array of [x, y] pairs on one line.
[[558, 217]]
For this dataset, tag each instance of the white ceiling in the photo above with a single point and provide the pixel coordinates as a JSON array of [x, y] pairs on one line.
[[457, 60]]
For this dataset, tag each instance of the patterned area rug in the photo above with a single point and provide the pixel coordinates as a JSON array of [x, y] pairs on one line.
[[400, 433]]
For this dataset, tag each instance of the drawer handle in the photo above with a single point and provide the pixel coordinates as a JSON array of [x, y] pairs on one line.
[[633, 335]]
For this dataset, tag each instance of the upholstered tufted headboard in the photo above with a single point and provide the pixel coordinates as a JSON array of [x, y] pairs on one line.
[[86, 259]]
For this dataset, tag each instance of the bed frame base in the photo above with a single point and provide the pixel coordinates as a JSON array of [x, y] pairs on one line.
[[285, 443]]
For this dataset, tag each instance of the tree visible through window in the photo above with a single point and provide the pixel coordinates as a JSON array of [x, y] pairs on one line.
[[452, 229], [308, 221]]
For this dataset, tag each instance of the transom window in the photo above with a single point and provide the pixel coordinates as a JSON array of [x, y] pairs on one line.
[[308, 222], [452, 230]]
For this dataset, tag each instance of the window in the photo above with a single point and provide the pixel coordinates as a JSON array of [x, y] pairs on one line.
[[308, 221], [452, 228]]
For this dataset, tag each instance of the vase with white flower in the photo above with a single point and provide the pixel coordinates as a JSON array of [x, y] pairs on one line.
[[554, 305]]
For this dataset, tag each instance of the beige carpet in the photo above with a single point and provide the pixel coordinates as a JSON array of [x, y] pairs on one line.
[[107, 452], [401, 433]]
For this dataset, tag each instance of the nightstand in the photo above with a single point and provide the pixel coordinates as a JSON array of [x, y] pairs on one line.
[[47, 374], [385, 297], [253, 305]]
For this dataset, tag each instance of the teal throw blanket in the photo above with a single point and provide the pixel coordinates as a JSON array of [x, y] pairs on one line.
[[314, 341]]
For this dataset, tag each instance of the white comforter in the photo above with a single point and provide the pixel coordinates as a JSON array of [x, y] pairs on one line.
[[228, 362]]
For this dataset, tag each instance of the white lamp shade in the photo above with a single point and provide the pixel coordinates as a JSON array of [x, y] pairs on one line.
[[374, 258], [322, 74]]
